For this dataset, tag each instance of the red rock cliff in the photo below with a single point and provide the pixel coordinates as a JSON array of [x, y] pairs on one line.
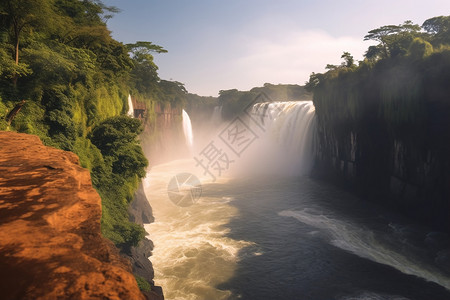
[[50, 242]]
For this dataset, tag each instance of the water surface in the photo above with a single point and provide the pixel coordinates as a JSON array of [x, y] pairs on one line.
[[289, 238]]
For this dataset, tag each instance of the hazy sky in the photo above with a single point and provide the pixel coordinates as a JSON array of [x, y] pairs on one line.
[[223, 44]]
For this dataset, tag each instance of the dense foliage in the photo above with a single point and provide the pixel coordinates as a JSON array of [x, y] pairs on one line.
[[400, 84], [59, 56]]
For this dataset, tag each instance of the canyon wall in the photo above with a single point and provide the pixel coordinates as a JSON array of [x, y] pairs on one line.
[[413, 178], [162, 139]]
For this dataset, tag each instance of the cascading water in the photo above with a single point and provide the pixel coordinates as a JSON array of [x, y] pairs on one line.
[[284, 237], [284, 145], [130, 112], [187, 129], [216, 117]]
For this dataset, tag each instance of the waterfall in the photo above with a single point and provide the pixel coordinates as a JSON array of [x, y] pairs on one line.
[[130, 112], [187, 129], [216, 117], [284, 143]]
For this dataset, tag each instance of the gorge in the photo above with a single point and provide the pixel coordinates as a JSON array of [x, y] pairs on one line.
[[333, 188], [264, 229]]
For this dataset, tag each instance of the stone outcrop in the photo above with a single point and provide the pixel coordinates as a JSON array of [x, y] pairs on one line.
[[140, 212], [50, 241]]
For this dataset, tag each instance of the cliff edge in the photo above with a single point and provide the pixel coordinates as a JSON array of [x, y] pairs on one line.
[[50, 241]]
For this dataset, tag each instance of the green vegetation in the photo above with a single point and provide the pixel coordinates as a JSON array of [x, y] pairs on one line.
[[143, 284], [117, 176], [397, 87], [59, 56]]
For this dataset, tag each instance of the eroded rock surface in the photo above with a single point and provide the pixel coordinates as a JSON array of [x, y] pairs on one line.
[[50, 241]]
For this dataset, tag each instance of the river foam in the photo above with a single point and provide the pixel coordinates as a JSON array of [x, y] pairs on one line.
[[368, 244], [191, 243]]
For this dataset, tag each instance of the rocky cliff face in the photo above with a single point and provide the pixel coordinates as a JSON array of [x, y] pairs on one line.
[[140, 212], [163, 138], [411, 177], [50, 242]]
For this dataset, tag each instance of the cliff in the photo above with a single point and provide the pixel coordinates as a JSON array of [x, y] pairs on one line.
[[384, 131], [414, 181], [410, 175], [140, 212], [163, 129], [50, 241]]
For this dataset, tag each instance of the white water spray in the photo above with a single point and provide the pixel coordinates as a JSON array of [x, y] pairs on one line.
[[130, 112], [187, 129], [285, 139], [216, 117]]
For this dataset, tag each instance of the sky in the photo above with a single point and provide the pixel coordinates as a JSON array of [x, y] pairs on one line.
[[218, 45]]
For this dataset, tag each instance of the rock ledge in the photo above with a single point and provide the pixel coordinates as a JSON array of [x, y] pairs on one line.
[[50, 241]]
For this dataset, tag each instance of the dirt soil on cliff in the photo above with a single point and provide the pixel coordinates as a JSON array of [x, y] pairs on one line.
[[50, 241]]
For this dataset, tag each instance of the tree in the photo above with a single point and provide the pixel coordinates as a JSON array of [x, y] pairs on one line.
[[374, 52], [437, 25], [8, 68], [174, 91], [393, 39], [349, 61], [115, 132], [116, 138], [331, 67], [381, 35], [144, 74], [439, 29], [314, 80], [420, 48], [21, 16], [140, 49], [85, 28]]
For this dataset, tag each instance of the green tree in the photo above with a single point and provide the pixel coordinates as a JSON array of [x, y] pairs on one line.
[[439, 29], [140, 50], [393, 39], [74, 78], [144, 75], [349, 61], [85, 28], [173, 91], [21, 16], [114, 133], [375, 52], [420, 48], [437, 25], [117, 178], [314, 80]]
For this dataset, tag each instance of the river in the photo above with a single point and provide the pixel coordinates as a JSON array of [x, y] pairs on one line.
[[266, 235]]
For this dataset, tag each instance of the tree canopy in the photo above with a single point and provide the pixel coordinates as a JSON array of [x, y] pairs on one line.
[[407, 40], [59, 56], [393, 39]]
